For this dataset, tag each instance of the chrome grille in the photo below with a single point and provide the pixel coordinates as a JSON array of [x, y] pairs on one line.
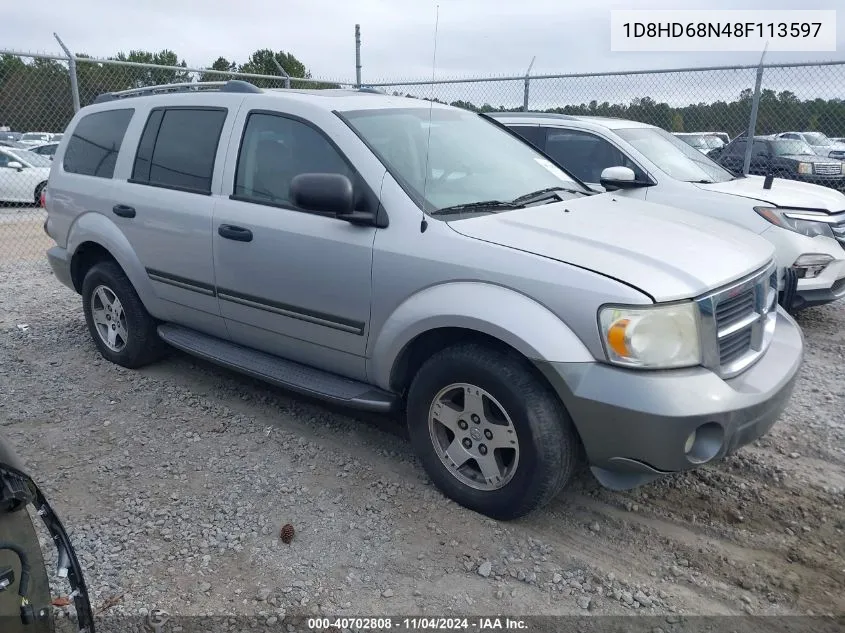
[[738, 322], [827, 169]]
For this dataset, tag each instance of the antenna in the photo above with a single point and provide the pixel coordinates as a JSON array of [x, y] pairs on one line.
[[424, 222]]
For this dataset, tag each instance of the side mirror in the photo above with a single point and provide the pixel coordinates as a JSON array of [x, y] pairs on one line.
[[613, 178], [15, 165], [328, 193]]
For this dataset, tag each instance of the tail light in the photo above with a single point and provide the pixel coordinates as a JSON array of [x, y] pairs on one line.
[[43, 201]]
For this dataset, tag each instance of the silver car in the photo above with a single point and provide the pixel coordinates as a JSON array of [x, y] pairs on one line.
[[400, 256]]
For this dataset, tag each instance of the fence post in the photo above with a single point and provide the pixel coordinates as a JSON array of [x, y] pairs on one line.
[[71, 67], [358, 56], [752, 121], [527, 85], [282, 71]]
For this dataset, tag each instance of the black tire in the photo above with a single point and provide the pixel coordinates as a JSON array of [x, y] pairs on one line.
[[548, 442], [38, 191], [142, 345]]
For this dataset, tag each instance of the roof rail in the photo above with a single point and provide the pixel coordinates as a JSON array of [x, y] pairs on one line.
[[233, 85]]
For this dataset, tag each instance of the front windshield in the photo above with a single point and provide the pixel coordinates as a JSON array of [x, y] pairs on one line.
[[468, 158], [784, 147], [31, 158], [816, 138], [671, 155]]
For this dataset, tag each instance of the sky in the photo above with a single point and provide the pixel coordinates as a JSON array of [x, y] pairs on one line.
[[474, 37]]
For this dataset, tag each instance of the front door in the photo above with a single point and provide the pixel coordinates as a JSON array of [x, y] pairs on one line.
[[587, 155], [289, 281]]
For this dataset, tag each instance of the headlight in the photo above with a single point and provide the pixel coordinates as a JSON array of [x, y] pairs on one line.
[[809, 223], [805, 168], [654, 337]]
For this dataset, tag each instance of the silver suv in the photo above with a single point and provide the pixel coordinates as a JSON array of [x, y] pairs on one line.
[[392, 254]]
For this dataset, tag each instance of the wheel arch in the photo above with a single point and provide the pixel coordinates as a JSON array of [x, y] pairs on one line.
[[495, 315], [94, 238]]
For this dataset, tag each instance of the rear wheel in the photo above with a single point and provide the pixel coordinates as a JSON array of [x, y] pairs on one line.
[[490, 433], [120, 325], [38, 191]]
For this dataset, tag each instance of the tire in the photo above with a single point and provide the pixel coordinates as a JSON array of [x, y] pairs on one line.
[[547, 445], [138, 343], [38, 191]]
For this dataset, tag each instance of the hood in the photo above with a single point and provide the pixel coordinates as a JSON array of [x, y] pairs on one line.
[[810, 158], [666, 252], [784, 193]]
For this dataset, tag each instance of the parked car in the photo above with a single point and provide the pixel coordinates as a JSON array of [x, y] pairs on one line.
[[390, 254], [821, 144], [23, 175], [47, 149], [14, 144], [702, 142], [802, 221], [10, 136], [36, 138], [786, 158]]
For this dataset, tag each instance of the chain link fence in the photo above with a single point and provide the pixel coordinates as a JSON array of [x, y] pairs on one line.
[[39, 95]]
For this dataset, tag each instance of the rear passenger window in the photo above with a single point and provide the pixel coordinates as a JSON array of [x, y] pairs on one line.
[[178, 148], [95, 143], [274, 150]]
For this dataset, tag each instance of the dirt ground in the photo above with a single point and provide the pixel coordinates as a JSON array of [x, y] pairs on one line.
[[174, 481]]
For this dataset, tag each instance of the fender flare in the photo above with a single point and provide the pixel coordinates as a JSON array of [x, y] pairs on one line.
[[505, 314], [96, 228]]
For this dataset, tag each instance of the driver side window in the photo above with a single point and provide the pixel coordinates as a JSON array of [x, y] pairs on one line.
[[4, 159], [586, 155], [274, 150]]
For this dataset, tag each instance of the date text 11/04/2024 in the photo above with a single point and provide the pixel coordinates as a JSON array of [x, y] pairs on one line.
[[480, 624]]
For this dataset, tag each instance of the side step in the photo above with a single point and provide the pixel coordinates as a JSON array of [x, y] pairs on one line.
[[278, 371]]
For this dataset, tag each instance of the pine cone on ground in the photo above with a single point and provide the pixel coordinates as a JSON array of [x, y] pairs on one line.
[[287, 533]]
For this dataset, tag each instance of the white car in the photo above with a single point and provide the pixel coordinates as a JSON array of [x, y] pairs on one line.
[[23, 175], [805, 222], [36, 138], [702, 142], [821, 144]]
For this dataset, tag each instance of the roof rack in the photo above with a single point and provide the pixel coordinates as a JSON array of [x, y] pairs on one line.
[[233, 85]]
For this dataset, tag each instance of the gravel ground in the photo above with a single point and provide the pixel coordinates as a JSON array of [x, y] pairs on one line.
[[174, 482]]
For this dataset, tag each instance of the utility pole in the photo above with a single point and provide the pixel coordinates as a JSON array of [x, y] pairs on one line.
[[357, 55]]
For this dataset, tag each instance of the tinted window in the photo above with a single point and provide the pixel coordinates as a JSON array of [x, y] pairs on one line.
[[586, 155], [760, 147], [534, 134], [5, 159], [274, 149], [737, 148], [178, 148], [95, 143]]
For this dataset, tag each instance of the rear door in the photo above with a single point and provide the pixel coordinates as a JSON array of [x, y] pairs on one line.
[[163, 204]]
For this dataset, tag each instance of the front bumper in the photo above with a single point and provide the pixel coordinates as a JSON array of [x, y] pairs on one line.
[[634, 424], [834, 182], [60, 263]]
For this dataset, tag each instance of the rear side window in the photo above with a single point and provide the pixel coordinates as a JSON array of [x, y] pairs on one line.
[[178, 148], [95, 143]]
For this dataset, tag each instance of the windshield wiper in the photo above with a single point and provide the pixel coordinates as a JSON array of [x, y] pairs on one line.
[[542, 194], [476, 207], [702, 182]]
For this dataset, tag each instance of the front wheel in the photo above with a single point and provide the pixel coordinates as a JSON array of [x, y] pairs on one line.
[[490, 433]]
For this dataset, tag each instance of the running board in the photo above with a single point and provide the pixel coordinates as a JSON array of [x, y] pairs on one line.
[[287, 374]]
